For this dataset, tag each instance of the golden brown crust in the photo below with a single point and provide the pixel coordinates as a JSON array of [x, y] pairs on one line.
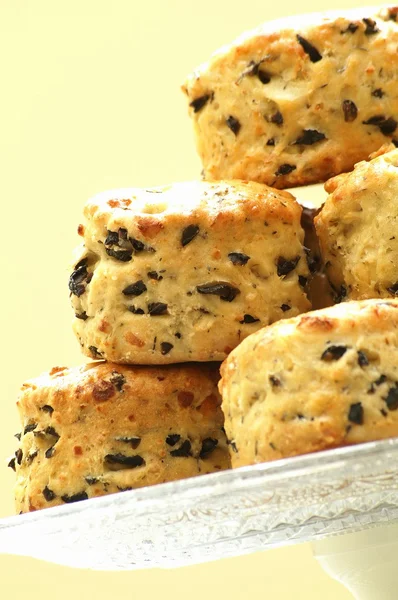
[[186, 272], [103, 428], [298, 100], [357, 229], [321, 380]]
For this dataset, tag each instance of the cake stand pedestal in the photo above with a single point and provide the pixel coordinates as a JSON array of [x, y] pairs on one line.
[[344, 501], [364, 562]]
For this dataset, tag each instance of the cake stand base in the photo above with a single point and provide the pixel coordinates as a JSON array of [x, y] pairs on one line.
[[364, 562]]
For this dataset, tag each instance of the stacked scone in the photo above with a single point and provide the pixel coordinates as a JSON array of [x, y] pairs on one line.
[[168, 282], [292, 103]]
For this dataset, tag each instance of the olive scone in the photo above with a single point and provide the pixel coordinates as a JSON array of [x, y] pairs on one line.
[[357, 230], [321, 380], [299, 100], [185, 272], [103, 428]]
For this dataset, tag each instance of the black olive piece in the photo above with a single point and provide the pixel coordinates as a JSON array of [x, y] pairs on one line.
[[178, 335], [18, 436], [378, 93], [11, 464], [363, 360], [233, 446], [127, 461], [29, 428], [352, 27], [275, 381], [271, 142], [172, 439], [137, 244], [30, 458], [309, 137], [157, 308], [165, 347], [285, 307], [49, 494], [154, 275], [263, 76], [95, 353], [249, 319], [135, 311], [135, 289], [355, 413], [393, 289], [333, 353], [392, 398], [91, 480], [189, 233], [371, 27], [75, 498], [112, 238], [285, 266], [302, 280], [122, 255], [82, 263], [254, 70], [313, 53], [382, 379], [19, 455], [183, 451], [285, 169], [200, 102], [124, 489], [51, 431], [233, 124], [238, 258], [83, 316], [224, 290], [208, 445], [277, 118], [118, 380], [79, 279], [387, 126], [50, 452], [350, 110], [133, 441]]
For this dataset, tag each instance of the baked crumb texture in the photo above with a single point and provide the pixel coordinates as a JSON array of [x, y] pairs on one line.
[[357, 229], [186, 272], [317, 381], [299, 100], [103, 428]]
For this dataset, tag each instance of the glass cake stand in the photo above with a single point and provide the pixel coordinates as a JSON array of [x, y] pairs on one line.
[[344, 501]]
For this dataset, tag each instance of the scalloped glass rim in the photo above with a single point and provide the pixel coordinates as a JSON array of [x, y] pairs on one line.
[[219, 515]]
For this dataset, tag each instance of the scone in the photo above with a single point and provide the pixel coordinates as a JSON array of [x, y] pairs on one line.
[[357, 229], [299, 100], [185, 272], [320, 293], [103, 428], [321, 380]]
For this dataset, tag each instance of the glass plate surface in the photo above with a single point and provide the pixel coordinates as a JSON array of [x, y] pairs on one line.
[[219, 515]]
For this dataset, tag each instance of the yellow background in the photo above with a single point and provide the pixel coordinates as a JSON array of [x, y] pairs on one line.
[[90, 100]]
